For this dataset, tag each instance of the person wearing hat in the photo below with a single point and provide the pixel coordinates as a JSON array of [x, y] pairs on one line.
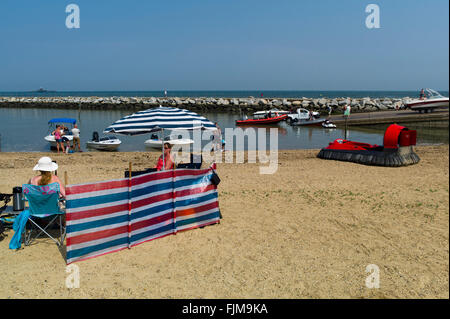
[[45, 166]]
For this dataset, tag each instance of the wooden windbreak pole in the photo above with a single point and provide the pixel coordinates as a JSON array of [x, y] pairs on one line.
[[130, 167], [173, 199], [129, 171]]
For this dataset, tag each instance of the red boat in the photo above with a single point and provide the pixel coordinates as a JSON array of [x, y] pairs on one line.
[[270, 120]]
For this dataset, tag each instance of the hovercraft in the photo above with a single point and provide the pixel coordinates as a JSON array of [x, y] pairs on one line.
[[397, 149]]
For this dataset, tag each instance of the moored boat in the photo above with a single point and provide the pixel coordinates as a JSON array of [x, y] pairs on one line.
[[104, 143], [312, 121], [66, 134], [157, 143], [270, 120], [264, 114], [328, 124]]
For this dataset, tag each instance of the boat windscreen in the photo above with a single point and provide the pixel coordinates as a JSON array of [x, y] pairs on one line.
[[433, 93]]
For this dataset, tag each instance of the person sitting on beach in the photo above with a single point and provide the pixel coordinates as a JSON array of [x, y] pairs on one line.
[[168, 158], [58, 138], [45, 166]]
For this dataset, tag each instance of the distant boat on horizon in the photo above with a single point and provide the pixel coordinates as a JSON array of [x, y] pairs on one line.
[[42, 90]]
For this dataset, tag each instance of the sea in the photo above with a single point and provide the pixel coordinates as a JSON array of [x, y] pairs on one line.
[[24, 129], [224, 94]]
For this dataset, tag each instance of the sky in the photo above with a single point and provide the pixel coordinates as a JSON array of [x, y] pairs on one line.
[[138, 45]]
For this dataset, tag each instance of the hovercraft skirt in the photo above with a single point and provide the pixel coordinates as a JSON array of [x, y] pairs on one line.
[[401, 156]]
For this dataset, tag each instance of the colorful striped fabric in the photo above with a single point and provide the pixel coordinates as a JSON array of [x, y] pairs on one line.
[[155, 119], [109, 216]]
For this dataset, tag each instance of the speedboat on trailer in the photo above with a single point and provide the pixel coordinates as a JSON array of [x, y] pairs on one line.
[[52, 126], [431, 100]]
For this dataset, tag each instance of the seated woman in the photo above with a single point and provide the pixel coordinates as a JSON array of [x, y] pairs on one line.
[[46, 167], [168, 158]]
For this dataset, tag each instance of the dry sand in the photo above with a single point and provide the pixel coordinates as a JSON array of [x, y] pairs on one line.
[[308, 231]]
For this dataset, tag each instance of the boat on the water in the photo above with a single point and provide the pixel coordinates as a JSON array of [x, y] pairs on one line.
[[328, 124], [66, 134], [269, 120], [155, 141], [104, 143], [427, 102], [265, 114], [309, 121], [42, 90]]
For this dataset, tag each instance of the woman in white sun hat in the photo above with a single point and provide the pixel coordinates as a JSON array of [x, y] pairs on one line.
[[46, 167]]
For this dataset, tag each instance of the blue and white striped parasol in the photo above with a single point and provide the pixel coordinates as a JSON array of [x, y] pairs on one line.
[[160, 118]]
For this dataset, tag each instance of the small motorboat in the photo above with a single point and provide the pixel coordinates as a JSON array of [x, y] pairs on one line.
[[155, 141], [104, 143], [328, 124], [264, 114], [269, 120], [67, 134], [312, 121], [428, 101]]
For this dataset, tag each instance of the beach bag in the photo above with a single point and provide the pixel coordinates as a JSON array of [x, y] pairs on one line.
[[215, 180]]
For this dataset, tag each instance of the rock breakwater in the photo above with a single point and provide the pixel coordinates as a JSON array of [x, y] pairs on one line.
[[205, 104]]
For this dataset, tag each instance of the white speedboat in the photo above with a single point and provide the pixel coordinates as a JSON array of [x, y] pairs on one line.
[[274, 112], [105, 143], [157, 143], [66, 134], [431, 100], [328, 124]]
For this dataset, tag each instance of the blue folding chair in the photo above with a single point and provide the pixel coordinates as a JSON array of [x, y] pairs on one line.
[[44, 209]]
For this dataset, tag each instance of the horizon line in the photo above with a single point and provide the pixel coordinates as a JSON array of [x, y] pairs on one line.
[[235, 90]]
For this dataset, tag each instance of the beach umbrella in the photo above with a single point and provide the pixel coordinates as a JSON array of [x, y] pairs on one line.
[[159, 119]]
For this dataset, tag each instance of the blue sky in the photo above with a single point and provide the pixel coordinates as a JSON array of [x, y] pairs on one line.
[[224, 45]]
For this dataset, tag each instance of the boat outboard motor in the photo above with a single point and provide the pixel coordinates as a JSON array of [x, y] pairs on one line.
[[18, 201], [95, 136]]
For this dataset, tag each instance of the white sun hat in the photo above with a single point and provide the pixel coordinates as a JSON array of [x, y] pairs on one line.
[[45, 164]]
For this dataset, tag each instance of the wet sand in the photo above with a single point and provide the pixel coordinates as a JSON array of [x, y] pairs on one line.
[[307, 231]]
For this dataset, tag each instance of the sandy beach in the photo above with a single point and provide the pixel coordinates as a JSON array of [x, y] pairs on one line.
[[307, 231]]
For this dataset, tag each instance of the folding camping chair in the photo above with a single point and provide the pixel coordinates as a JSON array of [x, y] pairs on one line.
[[43, 205], [195, 162]]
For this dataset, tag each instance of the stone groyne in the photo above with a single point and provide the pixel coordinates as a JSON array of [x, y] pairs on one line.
[[205, 104]]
